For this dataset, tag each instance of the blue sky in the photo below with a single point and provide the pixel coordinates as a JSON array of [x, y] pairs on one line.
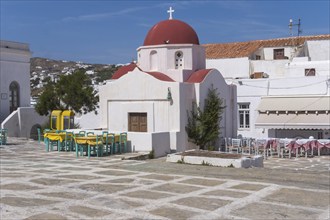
[[109, 32]]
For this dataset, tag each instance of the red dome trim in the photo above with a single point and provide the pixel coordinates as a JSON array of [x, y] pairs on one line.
[[198, 76], [160, 76], [171, 32], [128, 68], [123, 70]]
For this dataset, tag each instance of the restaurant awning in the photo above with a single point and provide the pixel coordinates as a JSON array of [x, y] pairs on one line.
[[294, 113], [293, 121], [309, 103]]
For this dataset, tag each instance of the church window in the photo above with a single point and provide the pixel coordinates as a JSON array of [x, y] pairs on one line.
[[137, 122], [13, 96], [153, 60], [244, 115], [310, 72], [279, 54], [178, 60]]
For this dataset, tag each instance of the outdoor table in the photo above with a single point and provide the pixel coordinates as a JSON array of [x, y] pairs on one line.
[[266, 143], [59, 137], [320, 143], [94, 140], [306, 144]]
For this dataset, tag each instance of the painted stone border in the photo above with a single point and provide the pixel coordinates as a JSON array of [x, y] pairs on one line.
[[243, 162]]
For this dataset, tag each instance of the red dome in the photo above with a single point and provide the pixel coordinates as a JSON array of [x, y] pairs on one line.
[[171, 32]]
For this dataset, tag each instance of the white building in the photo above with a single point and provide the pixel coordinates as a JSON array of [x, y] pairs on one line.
[[15, 112], [150, 99], [283, 85]]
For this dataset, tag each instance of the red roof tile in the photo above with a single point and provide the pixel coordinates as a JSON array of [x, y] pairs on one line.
[[160, 76], [245, 49], [123, 70], [198, 76], [128, 68]]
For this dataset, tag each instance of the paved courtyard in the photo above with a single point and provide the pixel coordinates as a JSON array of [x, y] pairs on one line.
[[36, 184]]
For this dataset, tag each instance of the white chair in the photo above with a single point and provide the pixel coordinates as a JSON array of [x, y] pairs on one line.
[[236, 145], [284, 150], [247, 146], [260, 145], [274, 148]]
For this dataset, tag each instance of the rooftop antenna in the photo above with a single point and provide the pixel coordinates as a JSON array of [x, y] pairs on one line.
[[291, 24]]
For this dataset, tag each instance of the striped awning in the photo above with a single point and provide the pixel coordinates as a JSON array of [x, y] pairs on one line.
[[294, 113]]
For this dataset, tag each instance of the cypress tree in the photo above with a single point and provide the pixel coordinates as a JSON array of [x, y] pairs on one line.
[[203, 126]]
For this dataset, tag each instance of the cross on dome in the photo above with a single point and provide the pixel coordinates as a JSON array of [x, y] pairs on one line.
[[170, 11]]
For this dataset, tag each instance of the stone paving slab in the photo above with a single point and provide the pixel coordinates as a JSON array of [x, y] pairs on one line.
[[60, 186], [202, 203], [173, 213], [301, 197], [255, 211]]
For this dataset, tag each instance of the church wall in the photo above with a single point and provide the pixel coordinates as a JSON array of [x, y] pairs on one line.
[[145, 94], [187, 97], [193, 59], [228, 125]]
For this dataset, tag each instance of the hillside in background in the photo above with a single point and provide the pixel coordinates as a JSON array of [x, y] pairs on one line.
[[42, 69]]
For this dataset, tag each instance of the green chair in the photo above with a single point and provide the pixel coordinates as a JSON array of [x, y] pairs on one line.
[[39, 135], [81, 134], [109, 141], [3, 136], [68, 141], [123, 141], [97, 147]]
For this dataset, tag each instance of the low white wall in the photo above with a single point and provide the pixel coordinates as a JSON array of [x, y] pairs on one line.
[[20, 122], [88, 121], [11, 123], [159, 142]]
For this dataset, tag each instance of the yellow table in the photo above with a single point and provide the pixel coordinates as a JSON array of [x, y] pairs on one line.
[[93, 140], [59, 137]]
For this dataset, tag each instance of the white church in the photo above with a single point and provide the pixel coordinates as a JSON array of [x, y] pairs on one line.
[[150, 99]]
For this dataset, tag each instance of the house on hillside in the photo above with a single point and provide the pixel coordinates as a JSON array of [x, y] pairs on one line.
[[283, 85], [150, 99]]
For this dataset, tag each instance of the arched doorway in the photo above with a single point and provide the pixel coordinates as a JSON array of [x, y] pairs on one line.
[[13, 96], [34, 131]]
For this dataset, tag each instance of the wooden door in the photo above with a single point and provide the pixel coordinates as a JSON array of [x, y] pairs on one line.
[[137, 122]]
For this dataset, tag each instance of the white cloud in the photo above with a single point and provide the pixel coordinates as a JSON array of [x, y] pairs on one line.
[[99, 16]]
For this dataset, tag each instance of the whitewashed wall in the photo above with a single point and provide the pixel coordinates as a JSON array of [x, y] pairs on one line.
[[318, 50], [269, 52], [193, 58], [20, 122], [145, 93], [274, 68], [297, 69], [228, 94], [14, 66], [231, 67]]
